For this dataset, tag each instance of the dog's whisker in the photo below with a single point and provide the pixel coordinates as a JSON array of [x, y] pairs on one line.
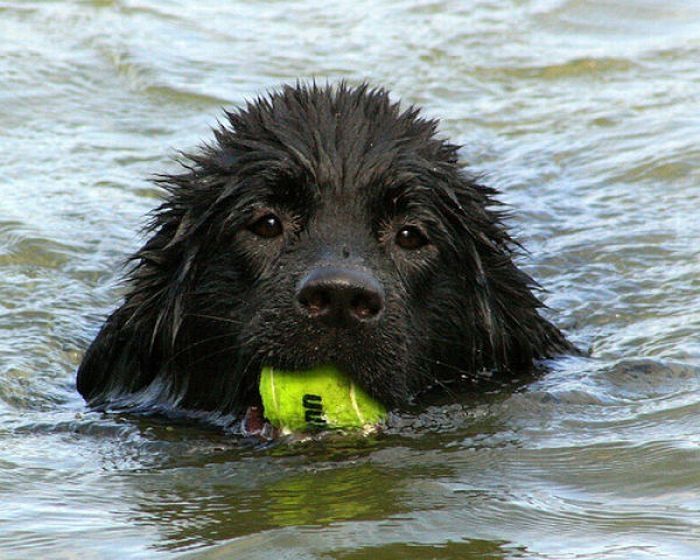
[[189, 347], [215, 318], [210, 355], [463, 372]]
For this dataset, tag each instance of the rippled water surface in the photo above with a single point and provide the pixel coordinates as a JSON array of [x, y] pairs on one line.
[[585, 113]]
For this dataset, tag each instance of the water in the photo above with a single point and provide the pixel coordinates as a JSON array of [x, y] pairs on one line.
[[585, 114]]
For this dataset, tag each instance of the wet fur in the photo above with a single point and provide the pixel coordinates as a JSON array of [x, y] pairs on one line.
[[208, 303]]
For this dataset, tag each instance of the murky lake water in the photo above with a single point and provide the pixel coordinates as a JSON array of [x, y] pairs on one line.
[[585, 113]]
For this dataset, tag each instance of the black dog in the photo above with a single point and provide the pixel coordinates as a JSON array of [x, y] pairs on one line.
[[322, 226]]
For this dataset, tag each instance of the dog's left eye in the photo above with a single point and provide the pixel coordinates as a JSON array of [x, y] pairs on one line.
[[268, 226], [411, 238]]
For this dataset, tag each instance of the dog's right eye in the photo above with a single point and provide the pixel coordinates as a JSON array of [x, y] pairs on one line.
[[267, 227], [411, 238]]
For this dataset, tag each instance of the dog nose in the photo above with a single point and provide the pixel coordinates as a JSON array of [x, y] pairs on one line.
[[340, 296]]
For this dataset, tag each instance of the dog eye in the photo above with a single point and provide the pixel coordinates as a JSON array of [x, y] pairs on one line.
[[268, 226], [411, 238]]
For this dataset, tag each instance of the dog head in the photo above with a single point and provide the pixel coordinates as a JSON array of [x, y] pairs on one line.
[[323, 225]]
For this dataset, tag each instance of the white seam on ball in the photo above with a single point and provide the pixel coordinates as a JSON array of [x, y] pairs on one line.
[[353, 400], [274, 392]]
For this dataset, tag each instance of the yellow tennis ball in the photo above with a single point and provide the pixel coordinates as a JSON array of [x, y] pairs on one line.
[[317, 399]]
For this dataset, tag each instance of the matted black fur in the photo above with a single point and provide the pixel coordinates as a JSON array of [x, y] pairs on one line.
[[314, 178]]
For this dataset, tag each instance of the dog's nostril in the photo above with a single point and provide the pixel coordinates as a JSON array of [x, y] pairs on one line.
[[365, 305], [315, 301]]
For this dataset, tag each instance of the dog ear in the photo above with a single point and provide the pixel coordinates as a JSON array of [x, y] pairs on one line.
[[132, 347], [135, 347], [503, 297], [116, 363]]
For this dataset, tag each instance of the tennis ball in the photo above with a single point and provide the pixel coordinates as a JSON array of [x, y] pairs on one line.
[[319, 398]]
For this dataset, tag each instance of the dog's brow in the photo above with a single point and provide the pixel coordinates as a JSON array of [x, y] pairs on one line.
[[398, 195], [294, 192]]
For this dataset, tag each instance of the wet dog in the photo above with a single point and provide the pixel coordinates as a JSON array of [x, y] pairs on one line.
[[322, 225]]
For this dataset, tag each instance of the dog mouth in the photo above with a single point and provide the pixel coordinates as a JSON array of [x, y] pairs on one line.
[[295, 402], [252, 421], [255, 425]]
